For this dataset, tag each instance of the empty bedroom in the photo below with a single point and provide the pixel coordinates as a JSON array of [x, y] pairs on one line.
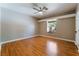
[[39, 29]]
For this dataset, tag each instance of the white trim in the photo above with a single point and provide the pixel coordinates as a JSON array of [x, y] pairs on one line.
[[77, 45], [35, 36], [17, 39], [59, 17], [58, 38]]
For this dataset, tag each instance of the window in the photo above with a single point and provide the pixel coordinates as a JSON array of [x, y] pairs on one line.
[[51, 26]]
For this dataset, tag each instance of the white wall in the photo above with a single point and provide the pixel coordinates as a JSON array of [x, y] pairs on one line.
[[77, 27], [0, 24], [16, 25]]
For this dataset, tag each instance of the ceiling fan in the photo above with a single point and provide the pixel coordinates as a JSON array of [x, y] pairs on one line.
[[39, 8]]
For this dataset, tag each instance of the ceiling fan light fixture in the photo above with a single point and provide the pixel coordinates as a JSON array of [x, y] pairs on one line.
[[40, 9], [41, 13]]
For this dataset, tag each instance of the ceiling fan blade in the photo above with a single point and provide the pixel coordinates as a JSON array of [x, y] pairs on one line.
[[40, 8], [35, 12], [36, 9], [45, 8]]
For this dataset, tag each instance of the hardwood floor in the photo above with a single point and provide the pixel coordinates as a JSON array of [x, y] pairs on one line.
[[39, 46]]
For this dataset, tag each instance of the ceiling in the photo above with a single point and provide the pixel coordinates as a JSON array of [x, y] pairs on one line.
[[54, 9]]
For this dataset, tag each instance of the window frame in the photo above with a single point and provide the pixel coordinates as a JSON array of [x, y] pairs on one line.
[[48, 25]]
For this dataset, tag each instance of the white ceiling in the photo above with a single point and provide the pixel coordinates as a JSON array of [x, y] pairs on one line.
[[54, 9]]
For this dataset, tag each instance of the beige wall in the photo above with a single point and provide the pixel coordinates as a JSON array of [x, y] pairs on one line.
[[65, 28]]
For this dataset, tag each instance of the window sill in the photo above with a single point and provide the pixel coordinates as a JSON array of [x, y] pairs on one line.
[[51, 32]]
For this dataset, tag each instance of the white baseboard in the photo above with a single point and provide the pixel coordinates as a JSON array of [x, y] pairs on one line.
[[58, 38], [17, 39], [77, 45], [33, 36], [36, 36]]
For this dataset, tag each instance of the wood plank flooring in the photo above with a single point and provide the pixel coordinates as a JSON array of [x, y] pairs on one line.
[[39, 46]]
